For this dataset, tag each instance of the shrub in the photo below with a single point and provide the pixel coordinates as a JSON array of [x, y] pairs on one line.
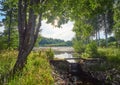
[[79, 46], [112, 44], [91, 50], [50, 54], [85, 55]]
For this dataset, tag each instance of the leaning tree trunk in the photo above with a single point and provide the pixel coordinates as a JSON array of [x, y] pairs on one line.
[[28, 32]]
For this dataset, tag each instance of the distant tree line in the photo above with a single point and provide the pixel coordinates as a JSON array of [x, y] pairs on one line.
[[112, 42], [54, 42]]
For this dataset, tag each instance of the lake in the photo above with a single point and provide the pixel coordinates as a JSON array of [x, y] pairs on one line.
[[64, 55], [60, 52]]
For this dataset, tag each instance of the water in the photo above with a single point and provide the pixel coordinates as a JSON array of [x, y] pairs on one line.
[[56, 49], [65, 55], [60, 52]]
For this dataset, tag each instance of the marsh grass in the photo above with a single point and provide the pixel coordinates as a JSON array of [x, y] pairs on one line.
[[111, 58], [7, 60], [36, 72], [110, 54]]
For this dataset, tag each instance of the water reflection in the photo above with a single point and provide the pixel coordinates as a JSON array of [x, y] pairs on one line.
[[65, 55]]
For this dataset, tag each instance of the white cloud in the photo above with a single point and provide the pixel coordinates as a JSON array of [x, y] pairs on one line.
[[1, 28], [64, 33]]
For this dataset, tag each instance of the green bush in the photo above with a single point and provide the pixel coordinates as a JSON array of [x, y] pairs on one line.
[[91, 50], [85, 55], [50, 54], [3, 45], [79, 47]]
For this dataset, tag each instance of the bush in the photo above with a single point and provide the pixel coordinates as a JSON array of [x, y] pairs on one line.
[[50, 54], [91, 50], [112, 44], [85, 55], [79, 47]]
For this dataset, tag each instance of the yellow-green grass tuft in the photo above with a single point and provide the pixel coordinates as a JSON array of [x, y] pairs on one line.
[[36, 72]]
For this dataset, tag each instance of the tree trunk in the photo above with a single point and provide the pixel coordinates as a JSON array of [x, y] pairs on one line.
[[98, 37], [98, 28], [106, 38], [28, 32], [106, 28], [9, 28], [21, 61]]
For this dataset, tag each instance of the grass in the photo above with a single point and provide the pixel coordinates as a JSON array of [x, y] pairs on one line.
[[110, 54], [7, 60], [36, 72], [111, 57]]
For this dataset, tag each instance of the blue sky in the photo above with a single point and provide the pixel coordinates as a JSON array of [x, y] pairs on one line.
[[1, 17], [1, 28]]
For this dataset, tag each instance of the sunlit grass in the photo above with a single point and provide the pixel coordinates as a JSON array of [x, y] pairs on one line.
[[7, 60], [36, 72], [111, 54]]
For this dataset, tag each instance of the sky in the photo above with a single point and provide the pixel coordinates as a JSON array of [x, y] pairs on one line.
[[64, 33], [1, 28]]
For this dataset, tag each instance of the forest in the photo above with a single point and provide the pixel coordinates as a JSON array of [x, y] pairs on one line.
[[19, 65], [54, 42]]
